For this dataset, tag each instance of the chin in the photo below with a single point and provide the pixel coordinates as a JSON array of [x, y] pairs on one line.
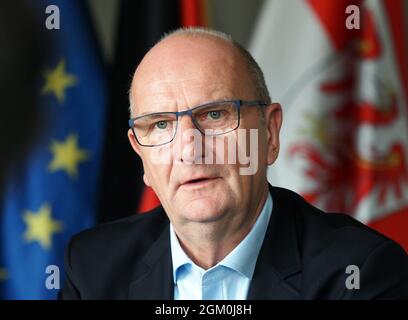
[[202, 210]]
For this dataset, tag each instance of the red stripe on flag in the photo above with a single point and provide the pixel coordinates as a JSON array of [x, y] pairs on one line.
[[395, 13], [192, 13], [332, 15], [394, 226], [148, 201]]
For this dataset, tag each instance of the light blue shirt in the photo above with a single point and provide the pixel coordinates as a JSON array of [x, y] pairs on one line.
[[230, 278]]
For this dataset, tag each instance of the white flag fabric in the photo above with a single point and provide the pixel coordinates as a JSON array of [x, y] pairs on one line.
[[344, 138]]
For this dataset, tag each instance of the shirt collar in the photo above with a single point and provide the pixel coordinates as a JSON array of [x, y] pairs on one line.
[[179, 257], [243, 258]]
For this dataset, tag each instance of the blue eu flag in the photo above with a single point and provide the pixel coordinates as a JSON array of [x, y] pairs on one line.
[[54, 194]]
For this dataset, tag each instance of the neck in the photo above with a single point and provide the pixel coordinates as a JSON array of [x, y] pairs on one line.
[[208, 244]]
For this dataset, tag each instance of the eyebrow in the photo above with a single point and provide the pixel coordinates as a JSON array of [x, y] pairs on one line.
[[198, 105]]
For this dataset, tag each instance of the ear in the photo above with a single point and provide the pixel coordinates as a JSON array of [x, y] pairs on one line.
[[136, 147], [273, 123], [133, 142], [146, 181]]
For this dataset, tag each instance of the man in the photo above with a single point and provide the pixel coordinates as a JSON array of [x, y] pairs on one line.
[[222, 232]]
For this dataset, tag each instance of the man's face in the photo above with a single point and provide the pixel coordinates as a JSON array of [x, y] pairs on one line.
[[181, 73]]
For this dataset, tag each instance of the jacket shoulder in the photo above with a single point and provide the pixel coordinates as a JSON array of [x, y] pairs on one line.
[[329, 243], [100, 262], [142, 228], [315, 223]]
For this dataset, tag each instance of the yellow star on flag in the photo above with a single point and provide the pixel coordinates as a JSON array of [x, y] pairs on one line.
[[67, 156], [3, 274], [58, 80], [41, 226]]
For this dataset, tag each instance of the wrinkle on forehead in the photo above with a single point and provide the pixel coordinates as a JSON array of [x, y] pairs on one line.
[[164, 102]]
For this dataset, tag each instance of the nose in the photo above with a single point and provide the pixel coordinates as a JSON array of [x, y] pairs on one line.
[[188, 142]]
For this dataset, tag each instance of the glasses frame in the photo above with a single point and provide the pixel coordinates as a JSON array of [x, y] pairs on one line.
[[237, 103]]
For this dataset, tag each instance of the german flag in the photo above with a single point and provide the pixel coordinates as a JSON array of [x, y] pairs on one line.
[[140, 25]]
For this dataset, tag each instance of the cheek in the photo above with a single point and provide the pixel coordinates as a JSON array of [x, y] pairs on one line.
[[224, 149], [249, 169], [157, 168]]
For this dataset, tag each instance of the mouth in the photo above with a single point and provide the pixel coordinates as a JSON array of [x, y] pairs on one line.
[[198, 182]]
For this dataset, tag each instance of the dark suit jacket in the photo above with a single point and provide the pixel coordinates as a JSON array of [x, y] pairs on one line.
[[304, 256]]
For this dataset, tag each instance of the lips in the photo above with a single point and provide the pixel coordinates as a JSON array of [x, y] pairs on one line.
[[198, 180]]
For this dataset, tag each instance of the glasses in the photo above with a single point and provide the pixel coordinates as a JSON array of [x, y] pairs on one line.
[[211, 119]]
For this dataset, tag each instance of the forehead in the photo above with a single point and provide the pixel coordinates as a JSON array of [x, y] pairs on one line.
[[184, 71]]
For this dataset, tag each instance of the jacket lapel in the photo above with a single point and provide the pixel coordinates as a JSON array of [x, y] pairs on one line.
[[277, 273], [153, 277]]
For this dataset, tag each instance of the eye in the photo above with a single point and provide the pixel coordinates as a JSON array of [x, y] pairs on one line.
[[161, 124], [214, 114]]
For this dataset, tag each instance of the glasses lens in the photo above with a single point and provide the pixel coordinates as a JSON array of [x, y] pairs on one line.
[[217, 118], [155, 129]]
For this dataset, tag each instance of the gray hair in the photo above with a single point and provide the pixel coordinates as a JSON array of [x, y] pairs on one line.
[[256, 72]]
